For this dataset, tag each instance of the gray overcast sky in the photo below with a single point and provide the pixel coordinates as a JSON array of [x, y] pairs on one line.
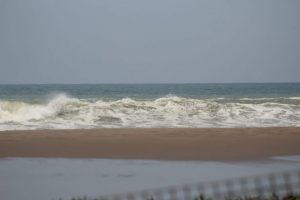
[[149, 41]]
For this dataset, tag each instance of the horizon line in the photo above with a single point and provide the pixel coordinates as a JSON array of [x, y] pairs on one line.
[[154, 83]]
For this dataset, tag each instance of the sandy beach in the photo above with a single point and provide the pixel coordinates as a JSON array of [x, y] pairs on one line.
[[153, 143]]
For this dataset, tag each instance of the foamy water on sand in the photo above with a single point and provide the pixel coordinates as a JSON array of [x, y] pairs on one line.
[[117, 106], [41, 178]]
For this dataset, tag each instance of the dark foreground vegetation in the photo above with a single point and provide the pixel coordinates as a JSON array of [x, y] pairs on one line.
[[201, 197]]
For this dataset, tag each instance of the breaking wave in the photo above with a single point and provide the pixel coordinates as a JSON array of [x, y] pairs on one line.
[[64, 112]]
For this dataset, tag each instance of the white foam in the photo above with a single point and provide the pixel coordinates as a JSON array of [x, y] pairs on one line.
[[295, 158], [294, 98], [66, 112]]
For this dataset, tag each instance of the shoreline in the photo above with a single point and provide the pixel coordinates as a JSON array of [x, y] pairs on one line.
[[208, 144]]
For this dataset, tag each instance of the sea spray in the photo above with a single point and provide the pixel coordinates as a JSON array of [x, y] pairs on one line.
[[65, 112]]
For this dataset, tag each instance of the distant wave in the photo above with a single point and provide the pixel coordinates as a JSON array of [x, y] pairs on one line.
[[64, 112]]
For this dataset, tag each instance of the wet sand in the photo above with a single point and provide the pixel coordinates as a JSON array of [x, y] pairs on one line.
[[153, 143]]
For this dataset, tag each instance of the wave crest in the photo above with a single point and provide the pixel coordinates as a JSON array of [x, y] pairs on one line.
[[63, 111]]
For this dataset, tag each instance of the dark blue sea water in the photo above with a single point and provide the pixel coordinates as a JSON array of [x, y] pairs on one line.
[[151, 91], [149, 105]]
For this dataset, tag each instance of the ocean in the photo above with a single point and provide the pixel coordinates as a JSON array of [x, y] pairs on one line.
[[84, 106]]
